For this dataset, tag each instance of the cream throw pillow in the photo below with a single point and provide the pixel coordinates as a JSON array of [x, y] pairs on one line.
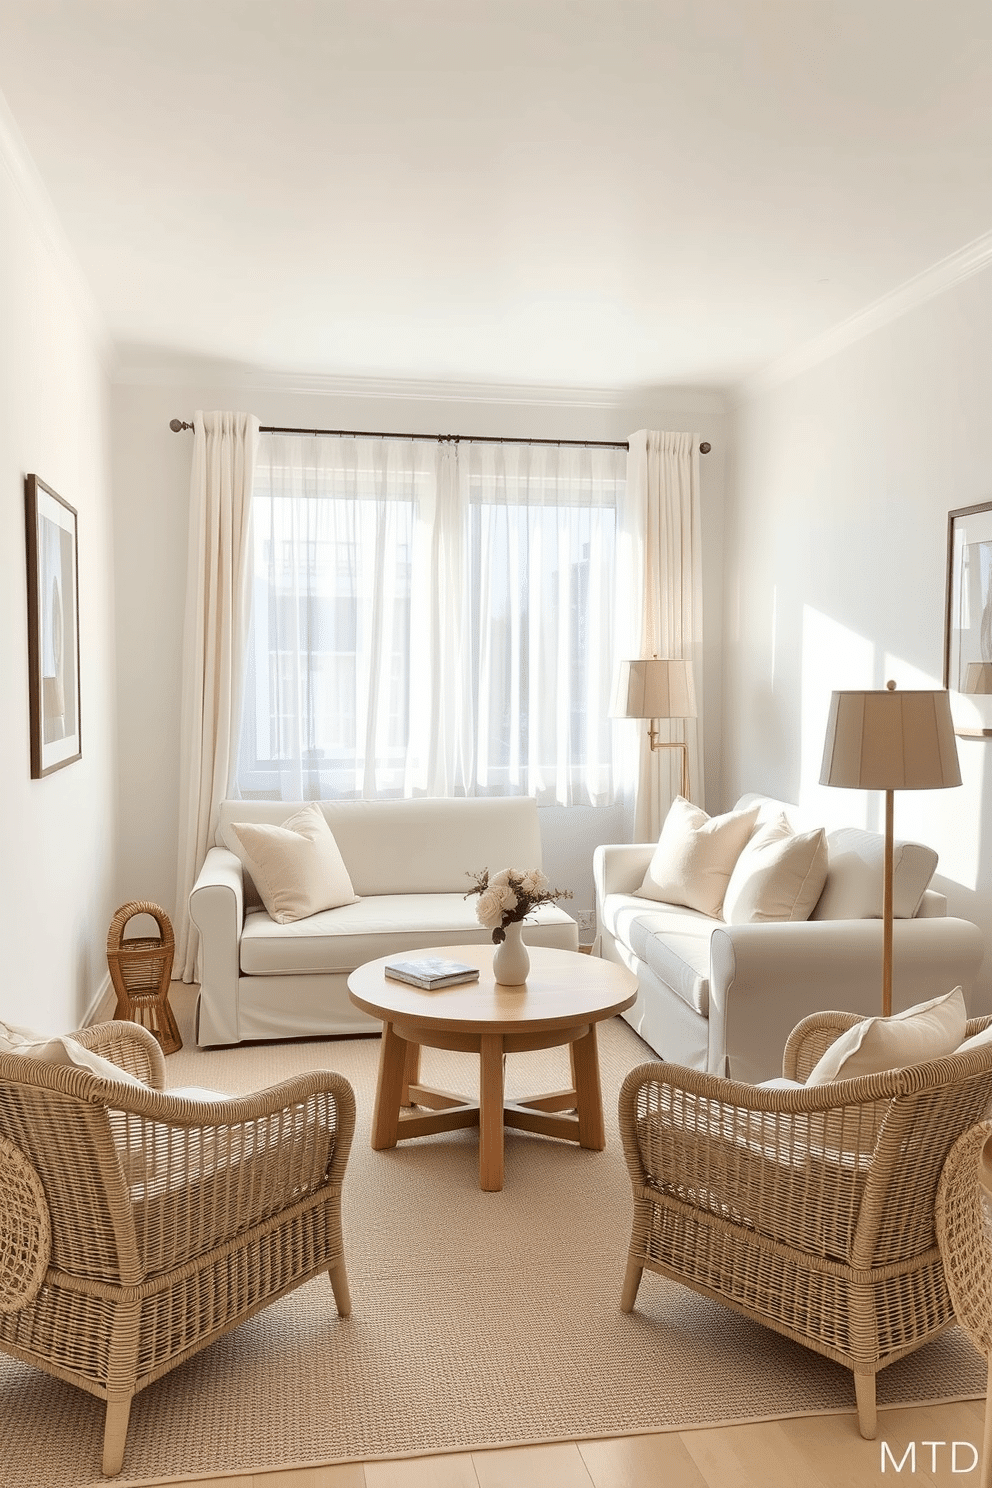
[[921, 1033], [61, 1050], [779, 875], [297, 868], [977, 1041], [695, 856]]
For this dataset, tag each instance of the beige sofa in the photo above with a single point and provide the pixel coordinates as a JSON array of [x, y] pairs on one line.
[[409, 862], [724, 998]]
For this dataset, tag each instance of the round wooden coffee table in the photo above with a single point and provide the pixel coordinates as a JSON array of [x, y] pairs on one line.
[[564, 997]]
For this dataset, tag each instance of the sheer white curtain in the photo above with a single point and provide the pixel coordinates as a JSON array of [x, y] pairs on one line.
[[217, 602], [541, 522], [341, 652], [431, 618], [662, 609]]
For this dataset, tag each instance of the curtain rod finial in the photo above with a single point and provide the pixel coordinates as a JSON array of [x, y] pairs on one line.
[[176, 425]]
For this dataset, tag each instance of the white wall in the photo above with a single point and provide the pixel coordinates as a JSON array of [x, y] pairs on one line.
[[56, 868], [836, 559], [151, 486]]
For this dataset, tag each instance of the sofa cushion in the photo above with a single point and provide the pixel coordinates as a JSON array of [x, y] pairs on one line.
[[678, 954], [779, 875], [930, 1030], [695, 856], [380, 925], [296, 867], [853, 890]]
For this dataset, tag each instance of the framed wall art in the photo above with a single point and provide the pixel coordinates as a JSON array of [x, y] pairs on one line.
[[53, 629], [968, 624]]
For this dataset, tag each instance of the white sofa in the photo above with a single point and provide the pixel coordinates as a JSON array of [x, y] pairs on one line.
[[724, 998], [409, 862]]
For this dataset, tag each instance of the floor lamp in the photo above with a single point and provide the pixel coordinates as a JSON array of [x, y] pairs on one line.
[[890, 741], [653, 688]]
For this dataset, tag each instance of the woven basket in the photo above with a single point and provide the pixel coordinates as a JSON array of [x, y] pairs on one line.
[[141, 969]]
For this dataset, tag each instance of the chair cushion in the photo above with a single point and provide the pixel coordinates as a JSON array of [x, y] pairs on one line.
[[296, 867], [930, 1030], [853, 890], [338, 940], [695, 856], [779, 875]]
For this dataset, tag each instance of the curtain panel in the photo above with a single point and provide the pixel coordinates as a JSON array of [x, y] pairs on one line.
[[216, 624], [432, 618], [662, 556]]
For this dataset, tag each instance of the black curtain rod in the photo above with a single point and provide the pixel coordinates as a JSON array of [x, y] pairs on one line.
[[177, 424]]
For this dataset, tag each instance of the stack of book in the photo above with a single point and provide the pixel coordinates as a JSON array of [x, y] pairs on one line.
[[431, 972]]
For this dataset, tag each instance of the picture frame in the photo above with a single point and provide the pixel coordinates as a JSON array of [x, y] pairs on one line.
[[53, 628], [968, 620]]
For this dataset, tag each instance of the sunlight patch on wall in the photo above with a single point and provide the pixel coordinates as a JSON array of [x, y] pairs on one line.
[[945, 819], [834, 659]]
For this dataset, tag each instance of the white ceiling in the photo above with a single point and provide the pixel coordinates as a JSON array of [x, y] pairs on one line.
[[589, 193]]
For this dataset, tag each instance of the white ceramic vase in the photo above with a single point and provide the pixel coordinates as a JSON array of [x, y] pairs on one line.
[[511, 962]]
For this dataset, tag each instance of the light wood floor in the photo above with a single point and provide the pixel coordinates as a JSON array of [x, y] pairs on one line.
[[811, 1452]]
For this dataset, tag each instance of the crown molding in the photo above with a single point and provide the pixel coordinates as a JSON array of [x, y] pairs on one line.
[[972, 259], [196, 373], [18, 164], [193, 373]]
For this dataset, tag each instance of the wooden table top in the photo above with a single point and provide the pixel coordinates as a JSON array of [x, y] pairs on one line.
[[563, 988]]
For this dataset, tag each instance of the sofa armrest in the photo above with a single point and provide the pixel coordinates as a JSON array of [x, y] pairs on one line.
[[217, 909], [765, 978], [619, 868], [932, 906]]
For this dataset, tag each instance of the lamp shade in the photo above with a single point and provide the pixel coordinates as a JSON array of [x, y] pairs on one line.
[[650, 688], [890, 741], [978, 677]]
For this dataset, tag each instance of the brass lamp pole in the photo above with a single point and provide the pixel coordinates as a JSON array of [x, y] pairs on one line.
[[889, 741]]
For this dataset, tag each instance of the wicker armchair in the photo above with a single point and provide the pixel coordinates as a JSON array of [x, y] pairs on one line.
[[811, 1211], [136, 1228], [964, 1234]]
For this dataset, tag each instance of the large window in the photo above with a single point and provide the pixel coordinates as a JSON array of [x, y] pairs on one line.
[[431, 618]]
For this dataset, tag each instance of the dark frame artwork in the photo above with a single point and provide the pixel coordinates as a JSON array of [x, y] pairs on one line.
[[968, 620], [53, 628]]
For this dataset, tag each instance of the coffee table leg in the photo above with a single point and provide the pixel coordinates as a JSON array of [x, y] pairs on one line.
[[588, 1094], [389, 1091], [411, 1072], [491, 1112]]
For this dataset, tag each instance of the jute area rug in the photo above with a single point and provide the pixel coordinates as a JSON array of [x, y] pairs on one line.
[[480, 1319]]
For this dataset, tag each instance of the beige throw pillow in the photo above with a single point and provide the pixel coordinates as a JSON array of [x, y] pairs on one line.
[[977, 1041], [695, 856], [921, 1033], [297, 867], [60, 1050], [779, 875]]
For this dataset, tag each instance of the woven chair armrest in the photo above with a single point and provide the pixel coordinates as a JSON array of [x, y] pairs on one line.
[[201, 1172], [127, 1045], [226, 1111]]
